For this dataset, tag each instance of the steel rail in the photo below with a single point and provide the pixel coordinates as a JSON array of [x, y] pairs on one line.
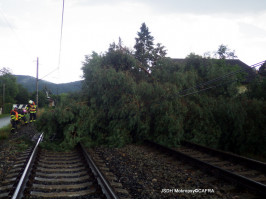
[[258, 165], [105, 185], [22, 182], [225, 174]]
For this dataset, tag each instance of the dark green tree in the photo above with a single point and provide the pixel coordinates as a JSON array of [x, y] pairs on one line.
[[145, 51], [262, 70], [23, 95], [129, 97], [11, 87], [158, 53], [257, 88], [144, 46], [42, 98]]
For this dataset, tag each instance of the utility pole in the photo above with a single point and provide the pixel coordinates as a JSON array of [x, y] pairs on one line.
[[3, 98], [37, 79]]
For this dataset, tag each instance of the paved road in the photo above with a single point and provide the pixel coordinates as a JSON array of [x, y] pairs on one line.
[[4, 121]]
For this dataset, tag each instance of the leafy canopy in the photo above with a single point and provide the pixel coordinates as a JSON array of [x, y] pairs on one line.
[[129, 96]]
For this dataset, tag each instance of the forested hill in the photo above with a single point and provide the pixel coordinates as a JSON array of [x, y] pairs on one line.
[[29, 83]]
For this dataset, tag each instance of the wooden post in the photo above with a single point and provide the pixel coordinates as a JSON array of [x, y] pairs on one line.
[[3, 98], [37, 79]]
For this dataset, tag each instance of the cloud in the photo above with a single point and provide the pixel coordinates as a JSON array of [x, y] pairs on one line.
[[209, 6], [251, 31], [97, 3], [182, 26], [191, 6], [3, 24], [3, 20]]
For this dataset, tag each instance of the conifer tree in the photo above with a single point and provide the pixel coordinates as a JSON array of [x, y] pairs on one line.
[[144, 45], [146, 53]]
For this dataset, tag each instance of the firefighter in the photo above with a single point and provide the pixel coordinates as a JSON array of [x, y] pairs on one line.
[[21, 116], [14, 119], [32, 109], [26, 115], [28, 107]]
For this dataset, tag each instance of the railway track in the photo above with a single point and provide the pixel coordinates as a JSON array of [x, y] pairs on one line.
[[75, 175], [57, 175], [11, 179], [246, 172]]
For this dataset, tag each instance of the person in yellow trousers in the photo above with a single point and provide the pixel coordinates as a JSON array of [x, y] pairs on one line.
[[21, 116], [14, 119], [32, 110]]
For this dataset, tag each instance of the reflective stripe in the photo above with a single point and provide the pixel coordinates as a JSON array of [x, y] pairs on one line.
[[14, 115], [33, 108]]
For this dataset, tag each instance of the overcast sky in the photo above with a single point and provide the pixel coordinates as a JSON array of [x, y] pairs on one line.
[[31, 29]]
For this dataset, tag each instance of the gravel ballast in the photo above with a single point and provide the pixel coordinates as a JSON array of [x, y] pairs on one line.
[[11, 147], [147, 173], [141, 170]]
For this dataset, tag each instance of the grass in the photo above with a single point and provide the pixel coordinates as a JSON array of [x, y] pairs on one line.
[[21, 144], [56, 146], [40, 112], [4, 132], [4, 115]]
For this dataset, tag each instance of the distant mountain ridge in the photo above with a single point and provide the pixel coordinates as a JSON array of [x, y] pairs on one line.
[[29, 83]]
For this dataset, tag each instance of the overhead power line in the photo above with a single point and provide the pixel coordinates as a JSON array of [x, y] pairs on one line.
[[21, 43], [6, 21], [62, 22], [224, 76], [214, 86], [186, 91], [60, 45], [221, 84]]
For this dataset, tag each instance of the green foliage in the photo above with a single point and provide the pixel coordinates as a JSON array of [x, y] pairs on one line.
[[129, 105], [198, 70], [244, 127], [201, 125], [128, 97], [262, 70], [22, 145], [122, 106], [22, 96], [253, 136], [67, 125], [146, 53], [7, 108], [257, 88], [231, 124], [4, 132], [144, 46], [11, 88], [10, 91], [42, 98], [224, 52]]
